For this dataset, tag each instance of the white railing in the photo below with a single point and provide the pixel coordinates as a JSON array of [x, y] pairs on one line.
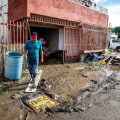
[[93, 6]]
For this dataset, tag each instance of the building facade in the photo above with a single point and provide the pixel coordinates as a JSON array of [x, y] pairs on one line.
[[66, 25]]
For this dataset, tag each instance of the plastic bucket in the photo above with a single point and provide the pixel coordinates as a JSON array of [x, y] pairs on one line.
[[13, 65], [95, 58]]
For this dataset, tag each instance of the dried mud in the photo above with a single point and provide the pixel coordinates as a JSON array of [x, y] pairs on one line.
[[81, 90]]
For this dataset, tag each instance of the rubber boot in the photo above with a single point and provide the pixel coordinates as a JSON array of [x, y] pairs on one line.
[[33, 82]]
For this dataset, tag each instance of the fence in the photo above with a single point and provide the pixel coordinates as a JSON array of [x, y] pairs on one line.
[[12, 38], [76, 39], [52, 21], [93, 6], [71, 44], [92, 37], [83, 40]]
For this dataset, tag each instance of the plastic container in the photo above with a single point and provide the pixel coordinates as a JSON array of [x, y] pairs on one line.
[[13, 65], [106, 51], [95, 58]]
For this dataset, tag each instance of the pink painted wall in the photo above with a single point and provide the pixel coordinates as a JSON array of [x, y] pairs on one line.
[[68, 10], [17, 9], [63, 9]]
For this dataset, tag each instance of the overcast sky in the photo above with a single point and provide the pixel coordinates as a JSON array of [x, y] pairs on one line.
[[113, 7]]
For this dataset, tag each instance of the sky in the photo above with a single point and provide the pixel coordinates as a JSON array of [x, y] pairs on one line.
[[113, 7]]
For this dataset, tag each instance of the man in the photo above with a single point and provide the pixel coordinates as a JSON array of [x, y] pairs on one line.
[[31, 53]]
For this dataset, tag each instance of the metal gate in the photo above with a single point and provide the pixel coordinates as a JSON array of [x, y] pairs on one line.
[[12, 38], [71, 44], [83, 39]]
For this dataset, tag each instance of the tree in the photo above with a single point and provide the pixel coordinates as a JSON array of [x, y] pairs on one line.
[[110, 27], [117, 30]]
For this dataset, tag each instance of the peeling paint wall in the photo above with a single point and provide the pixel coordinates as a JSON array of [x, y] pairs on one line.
[[17, 9]]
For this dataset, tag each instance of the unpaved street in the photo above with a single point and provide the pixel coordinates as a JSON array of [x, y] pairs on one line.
[[98, 105], [84, 91]]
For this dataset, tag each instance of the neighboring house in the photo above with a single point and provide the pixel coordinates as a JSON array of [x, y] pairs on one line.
[[113, 35], [113, 40], [67, 26]]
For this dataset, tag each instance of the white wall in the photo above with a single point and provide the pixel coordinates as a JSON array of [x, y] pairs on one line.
[[3, 16], [56, 38], [53, 37], [61, 39]]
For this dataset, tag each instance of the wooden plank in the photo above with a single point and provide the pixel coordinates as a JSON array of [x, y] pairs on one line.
[[110, 59], [92, 51], [29, 88]]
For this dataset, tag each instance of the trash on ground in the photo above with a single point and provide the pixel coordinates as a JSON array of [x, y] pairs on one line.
[[108, 57]]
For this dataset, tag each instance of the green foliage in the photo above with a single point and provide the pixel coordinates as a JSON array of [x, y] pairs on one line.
[[4, 89], [112, 29], [117, 30]]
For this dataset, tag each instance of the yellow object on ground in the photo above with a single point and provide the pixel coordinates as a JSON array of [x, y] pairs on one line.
[[102, 62], [106, 50]]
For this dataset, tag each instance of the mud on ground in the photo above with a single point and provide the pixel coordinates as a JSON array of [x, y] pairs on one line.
[[70, 85]]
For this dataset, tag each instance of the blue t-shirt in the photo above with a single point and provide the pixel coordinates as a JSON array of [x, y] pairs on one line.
[[33, 48]]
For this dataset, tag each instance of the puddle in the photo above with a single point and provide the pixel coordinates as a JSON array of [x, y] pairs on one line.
[[100, 76]]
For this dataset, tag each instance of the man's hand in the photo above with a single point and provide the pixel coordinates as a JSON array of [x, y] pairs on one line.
[[25, 56], [42, 60], [41, 56]]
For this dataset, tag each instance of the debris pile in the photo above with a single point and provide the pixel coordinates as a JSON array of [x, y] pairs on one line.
[[109, 57]]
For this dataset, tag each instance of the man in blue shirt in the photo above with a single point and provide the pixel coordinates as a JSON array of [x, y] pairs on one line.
[[31, 53]]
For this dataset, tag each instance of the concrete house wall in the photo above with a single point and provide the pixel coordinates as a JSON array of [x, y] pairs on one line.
[[63, 9]]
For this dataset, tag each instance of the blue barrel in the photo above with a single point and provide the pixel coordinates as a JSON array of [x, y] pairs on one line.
[[13, 65]]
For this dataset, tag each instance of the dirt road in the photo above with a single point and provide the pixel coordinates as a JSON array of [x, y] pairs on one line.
[[98, 105], [84, 91]]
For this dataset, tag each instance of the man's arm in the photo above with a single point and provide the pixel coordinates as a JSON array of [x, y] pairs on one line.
[[25, 53]]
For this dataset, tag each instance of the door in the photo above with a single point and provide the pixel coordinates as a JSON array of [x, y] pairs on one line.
[[71, 44]]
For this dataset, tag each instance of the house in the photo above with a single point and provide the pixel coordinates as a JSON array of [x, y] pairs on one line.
[[68, 26], [113, 35], [112, 39]]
